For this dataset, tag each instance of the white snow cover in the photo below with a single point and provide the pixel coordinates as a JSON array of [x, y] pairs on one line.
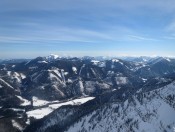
[[40, 113], [42, 62], [14, 76], [23, 76], [39, 102], [144, 80], [110, 72], [17, 125], [115, 60], [73, 102], [93, 71], [121, 80], [17, 109], [25, 101], [28, 62], [62, 75], [66, 73], [121, 63], [8, 73], [81, 68], [168, 59], [80, 84], [2, 81], [74, 69], [95, 62], [53, 76], [102, 64], [52, 57], [35, 77], [99, 63], [149, 112], [56, 71], [69, 81]]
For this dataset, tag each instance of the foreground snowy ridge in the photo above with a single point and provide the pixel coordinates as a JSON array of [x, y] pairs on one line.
[[152, 111]]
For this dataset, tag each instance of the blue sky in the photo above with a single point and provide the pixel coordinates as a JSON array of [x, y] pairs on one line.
[[87, 27]]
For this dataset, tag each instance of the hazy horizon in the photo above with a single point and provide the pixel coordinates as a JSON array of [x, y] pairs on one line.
[[96, 56]]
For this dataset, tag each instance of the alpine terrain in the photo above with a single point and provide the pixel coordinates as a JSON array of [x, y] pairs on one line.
[[87, 94]]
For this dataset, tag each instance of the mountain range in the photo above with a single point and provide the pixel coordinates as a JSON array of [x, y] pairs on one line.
[[87, 94]]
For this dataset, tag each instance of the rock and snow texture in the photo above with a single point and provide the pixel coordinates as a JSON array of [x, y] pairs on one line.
[[14, 76], [152, 111]]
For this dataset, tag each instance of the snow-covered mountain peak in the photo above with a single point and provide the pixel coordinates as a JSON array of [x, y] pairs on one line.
[[115, 60], [52, 57]]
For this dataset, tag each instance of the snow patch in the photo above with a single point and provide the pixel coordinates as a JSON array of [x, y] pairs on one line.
[[95, 62], [115, 60], [43, 62], [25, 101], [39, 102], [121, 80], [168, 59], [23, 76], [40, 113], [17, 109], [121, 63], [2, 81], [52, 57], [74, 69], [17, 125], [66, 73]]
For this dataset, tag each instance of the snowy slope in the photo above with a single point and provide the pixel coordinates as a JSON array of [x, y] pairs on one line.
[[153, 111], [41, 112]]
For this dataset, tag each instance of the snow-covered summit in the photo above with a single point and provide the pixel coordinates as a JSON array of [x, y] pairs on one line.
[[52, 57]]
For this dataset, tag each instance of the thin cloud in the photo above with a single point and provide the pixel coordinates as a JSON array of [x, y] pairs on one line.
[[171, 27], [169, 37], [135, 37], [85, 4]]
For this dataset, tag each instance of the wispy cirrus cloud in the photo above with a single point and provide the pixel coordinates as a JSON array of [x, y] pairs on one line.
[[141, 38], [87, 24], [85, 4], [171, 27]]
